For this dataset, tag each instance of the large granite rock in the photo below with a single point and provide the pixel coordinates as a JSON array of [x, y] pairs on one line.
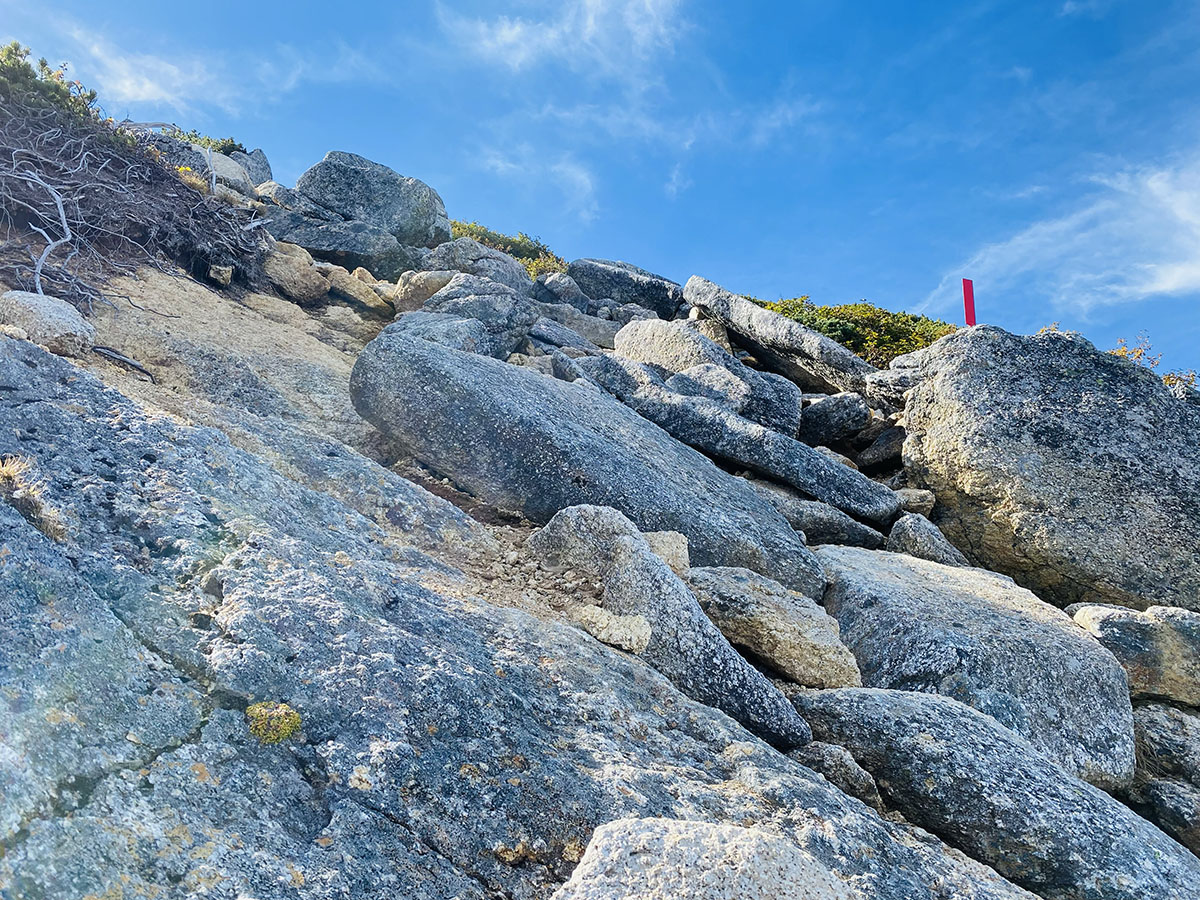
[[678, 347], [807, 357], [55, 324], [530, 443], [255, 164], [600, 332], [984, 789], [290, 268], [637, 859], [274, 193], [228, 171], [626, 283], [708, 426], [1166, 787], [820, 522], [683, 644], [832, 418], [915, 535], [559, 287], [470, 256], [447, 747], [1159, 648], [1072, 470], [977, 637], [367, 191], [783, 630], [505, 315], [348, 244]]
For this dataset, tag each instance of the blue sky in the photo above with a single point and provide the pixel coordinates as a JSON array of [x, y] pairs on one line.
[[880, 150]]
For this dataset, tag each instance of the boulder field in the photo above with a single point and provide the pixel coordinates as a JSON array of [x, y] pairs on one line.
[[405, 573]]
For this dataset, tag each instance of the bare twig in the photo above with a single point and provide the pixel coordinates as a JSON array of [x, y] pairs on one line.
[[51, 246], [112, 354]]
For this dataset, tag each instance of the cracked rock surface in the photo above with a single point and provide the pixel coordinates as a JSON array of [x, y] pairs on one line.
[[448, 747]]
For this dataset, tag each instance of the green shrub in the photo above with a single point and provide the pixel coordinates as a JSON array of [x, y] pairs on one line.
[[216, 145], [271, 723], [534, 255], [43, 85], [877, 335]]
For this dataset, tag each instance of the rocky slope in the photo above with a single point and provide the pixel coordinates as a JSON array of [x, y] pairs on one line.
[[429, 579]]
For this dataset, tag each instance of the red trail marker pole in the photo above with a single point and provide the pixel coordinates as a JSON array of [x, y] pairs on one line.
[[969, 300]]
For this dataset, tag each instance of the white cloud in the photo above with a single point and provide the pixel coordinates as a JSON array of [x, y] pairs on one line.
[[183, 82], [678, 182], [575, 181], [578, 187], [1094, 8], [121, 76], [613, 38], [778, 118], [1135, 236]]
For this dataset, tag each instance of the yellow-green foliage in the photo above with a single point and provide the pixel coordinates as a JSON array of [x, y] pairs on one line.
[[22, 489], [534, 255], [1141, 353], [217, 145], [44, 84], [272, 722], [191, 179], [877, 335]]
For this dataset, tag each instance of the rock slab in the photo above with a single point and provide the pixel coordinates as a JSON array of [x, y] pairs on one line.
[[55, 324], [530, 443], [984, 789], [684, 645], [784, 630], [626, 283], [981, 639], [1159, 648], [808, 357], [641, 859]]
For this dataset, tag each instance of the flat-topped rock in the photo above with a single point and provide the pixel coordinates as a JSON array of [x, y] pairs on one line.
[[626, 283], [808, 357]]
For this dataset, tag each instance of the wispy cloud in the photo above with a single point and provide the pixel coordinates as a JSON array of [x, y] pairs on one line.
[[611, 38], [1133, 237], [185, 82], [779, 118], [578, 187], [122, 76], [677, 182], [1093, 8], [576, 183]]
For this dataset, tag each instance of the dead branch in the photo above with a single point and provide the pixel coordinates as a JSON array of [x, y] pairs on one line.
[[82, 200], [110, 353]]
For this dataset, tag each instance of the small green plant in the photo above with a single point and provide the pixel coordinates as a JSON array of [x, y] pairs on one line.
[[271, 722], [877, 335], [533, 254], [216, 145], [23, 490]]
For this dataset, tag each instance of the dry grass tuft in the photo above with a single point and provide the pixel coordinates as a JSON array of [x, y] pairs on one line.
[[23, 490]]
